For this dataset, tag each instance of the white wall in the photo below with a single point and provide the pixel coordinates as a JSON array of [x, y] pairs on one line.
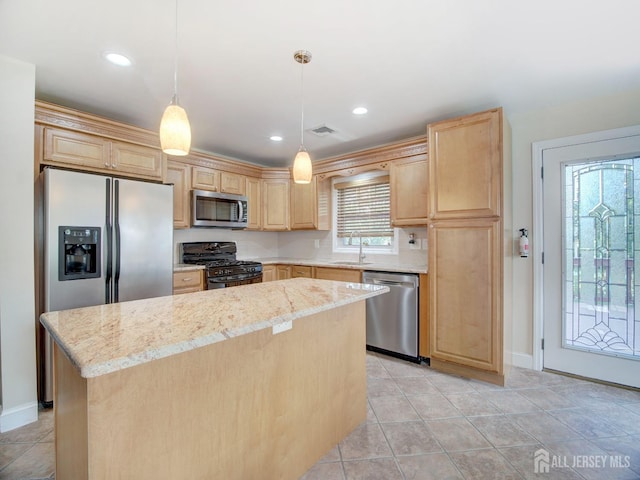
[[17, 309], [595, 114], [250, 244], [299, 244]]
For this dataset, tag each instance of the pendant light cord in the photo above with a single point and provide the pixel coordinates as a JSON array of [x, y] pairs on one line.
[[302, 103], [175, 60]]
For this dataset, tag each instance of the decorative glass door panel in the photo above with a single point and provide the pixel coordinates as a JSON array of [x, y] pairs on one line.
[[591, 240], [599, 249]]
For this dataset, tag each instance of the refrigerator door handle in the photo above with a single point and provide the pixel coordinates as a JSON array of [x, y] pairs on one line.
[[116, 222], [109, 233]]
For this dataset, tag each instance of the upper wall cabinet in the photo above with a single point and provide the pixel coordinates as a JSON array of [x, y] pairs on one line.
[[204, 178], [254, 215], [310, 205], [409, 192], [232, 183], [465, 158], [178, 174], [275, 204], [94, 153]]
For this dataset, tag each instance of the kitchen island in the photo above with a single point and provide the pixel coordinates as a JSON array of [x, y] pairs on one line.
[[255, 381]]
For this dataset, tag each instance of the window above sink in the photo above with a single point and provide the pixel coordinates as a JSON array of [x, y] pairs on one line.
[[362, 213]]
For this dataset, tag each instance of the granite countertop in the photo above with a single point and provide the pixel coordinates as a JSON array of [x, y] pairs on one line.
[[186, 267], [380, 267], [106, 338]]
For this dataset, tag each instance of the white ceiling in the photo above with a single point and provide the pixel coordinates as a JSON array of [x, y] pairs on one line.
[[409, 62]]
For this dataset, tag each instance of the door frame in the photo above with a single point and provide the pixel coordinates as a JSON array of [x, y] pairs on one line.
[[537, 151]]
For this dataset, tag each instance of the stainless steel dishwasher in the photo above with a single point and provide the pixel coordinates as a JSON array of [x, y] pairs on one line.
[[392, 318]]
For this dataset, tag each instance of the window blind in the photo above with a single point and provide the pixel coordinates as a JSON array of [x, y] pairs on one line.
[[364, 207]]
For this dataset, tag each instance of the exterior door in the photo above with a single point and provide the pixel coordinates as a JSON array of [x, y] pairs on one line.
[[592, 258]]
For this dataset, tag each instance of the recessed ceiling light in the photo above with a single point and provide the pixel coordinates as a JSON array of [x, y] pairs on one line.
[[359, 111], [275, 138], [117, 59]]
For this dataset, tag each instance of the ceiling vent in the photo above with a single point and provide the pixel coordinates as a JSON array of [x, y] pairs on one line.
[[322, 131]]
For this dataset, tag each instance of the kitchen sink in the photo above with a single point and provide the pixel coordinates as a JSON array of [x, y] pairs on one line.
[[351, 263]]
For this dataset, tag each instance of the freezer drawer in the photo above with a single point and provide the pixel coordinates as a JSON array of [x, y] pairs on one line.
[[392, 318]]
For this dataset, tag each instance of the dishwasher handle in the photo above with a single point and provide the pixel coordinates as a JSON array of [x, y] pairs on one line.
[[406, 280], [377, 281]]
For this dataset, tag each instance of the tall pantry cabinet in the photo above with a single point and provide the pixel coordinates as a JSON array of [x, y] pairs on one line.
[[469, 247]]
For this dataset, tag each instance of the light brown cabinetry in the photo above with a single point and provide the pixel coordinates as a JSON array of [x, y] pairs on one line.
[[187, 281], [268, 273], [310, 205], [409, 187], [466, 246], [283, 272], [204, 178], [178, 174], [466, 166], [95, 153], [232, 183], [254, 200], [303, 271], [275, 204], [338, 274]]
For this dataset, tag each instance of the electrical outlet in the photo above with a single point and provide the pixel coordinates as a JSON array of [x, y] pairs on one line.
[[416, 245], [424, 244], [316, 243]]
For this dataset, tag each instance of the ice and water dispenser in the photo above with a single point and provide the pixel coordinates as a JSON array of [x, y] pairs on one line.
[[79, 253]]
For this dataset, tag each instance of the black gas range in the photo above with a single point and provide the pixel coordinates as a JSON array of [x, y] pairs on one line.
[[222, 269]]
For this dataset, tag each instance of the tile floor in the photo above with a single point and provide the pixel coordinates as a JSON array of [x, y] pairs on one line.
[[424, 425]]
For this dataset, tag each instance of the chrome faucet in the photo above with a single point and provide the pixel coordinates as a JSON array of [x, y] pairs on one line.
[[361, 256]]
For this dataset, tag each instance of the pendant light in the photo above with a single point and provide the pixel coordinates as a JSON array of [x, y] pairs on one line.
[[302, 170], [175, 131]]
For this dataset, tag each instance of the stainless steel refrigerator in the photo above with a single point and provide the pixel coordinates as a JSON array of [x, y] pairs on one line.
[[106, 240]]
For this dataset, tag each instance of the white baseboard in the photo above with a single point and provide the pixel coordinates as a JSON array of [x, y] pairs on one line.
[[18, 416], [522, 360]]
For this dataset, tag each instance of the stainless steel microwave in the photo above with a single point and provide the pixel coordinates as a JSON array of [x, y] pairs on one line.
[[215, 209]]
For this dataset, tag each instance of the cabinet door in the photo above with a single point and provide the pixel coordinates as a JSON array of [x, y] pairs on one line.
[[136, 159], [254, 201], [338, 274], [204, 178], [465, 293], [232, 183], [283, 272], [76, 149], [304, 206], [409, 192], [268, 273], [465, 166], [178, 174], [275, 205]]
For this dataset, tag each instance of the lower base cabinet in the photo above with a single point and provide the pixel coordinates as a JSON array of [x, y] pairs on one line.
[[187, 281]]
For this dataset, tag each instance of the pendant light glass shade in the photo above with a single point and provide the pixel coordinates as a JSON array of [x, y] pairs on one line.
[[302, 170], [175, 131]]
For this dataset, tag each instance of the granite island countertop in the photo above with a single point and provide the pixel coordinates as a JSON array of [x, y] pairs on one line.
[[106, 338]]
